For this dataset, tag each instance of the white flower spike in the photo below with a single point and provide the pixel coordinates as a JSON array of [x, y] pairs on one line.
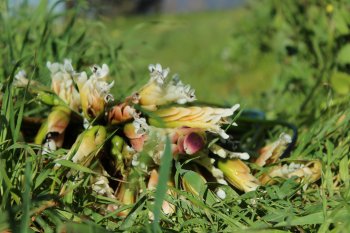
[[62, 83], [95, 91], [158, 74], [160, 90]]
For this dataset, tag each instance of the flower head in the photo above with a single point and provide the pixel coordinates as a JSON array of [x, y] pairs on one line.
[[206, 118], [208, 163], [160, 90], [62, 83], [95, 91], [140, 125], [126, 195], [178, 92]]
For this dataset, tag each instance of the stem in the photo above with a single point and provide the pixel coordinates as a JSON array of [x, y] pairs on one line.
[[312, 92]]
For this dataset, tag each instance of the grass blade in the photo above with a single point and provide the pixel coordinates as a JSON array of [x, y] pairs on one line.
[[26, 199], [162, 186]]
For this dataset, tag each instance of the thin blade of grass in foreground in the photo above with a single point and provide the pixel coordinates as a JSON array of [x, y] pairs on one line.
[[164, 173], [26, 199]]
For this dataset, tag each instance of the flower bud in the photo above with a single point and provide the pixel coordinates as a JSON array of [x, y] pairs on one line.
[[238, 174], [193, 182], [192, 143], [94, 92], [120, 113], [87, 146]]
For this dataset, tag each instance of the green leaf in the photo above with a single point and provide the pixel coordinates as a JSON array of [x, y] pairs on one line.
[[344, 171], [340, 21], [341, 82], [3, 221], [41, 178], [315, 218], [26, 199], [344, 55], [75, 166]]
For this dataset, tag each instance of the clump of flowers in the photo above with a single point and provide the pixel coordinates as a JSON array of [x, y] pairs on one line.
[[125, 140]]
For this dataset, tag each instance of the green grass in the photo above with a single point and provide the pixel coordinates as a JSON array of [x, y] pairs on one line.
[[228, 57], [197, 47]]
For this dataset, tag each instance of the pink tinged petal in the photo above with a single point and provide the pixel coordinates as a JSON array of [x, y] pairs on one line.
[[180, 145], [193, 143], [137, 143]]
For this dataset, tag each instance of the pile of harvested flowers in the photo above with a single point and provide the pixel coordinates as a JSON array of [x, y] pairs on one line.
[[123, 142]]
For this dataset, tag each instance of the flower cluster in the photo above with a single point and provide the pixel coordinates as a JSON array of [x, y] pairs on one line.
[[62, 83], [127, 138]]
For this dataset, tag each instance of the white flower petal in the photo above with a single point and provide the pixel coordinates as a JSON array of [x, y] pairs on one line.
[[151, 68]]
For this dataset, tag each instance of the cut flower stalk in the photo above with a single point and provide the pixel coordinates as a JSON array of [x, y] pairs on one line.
[[305, 171]]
